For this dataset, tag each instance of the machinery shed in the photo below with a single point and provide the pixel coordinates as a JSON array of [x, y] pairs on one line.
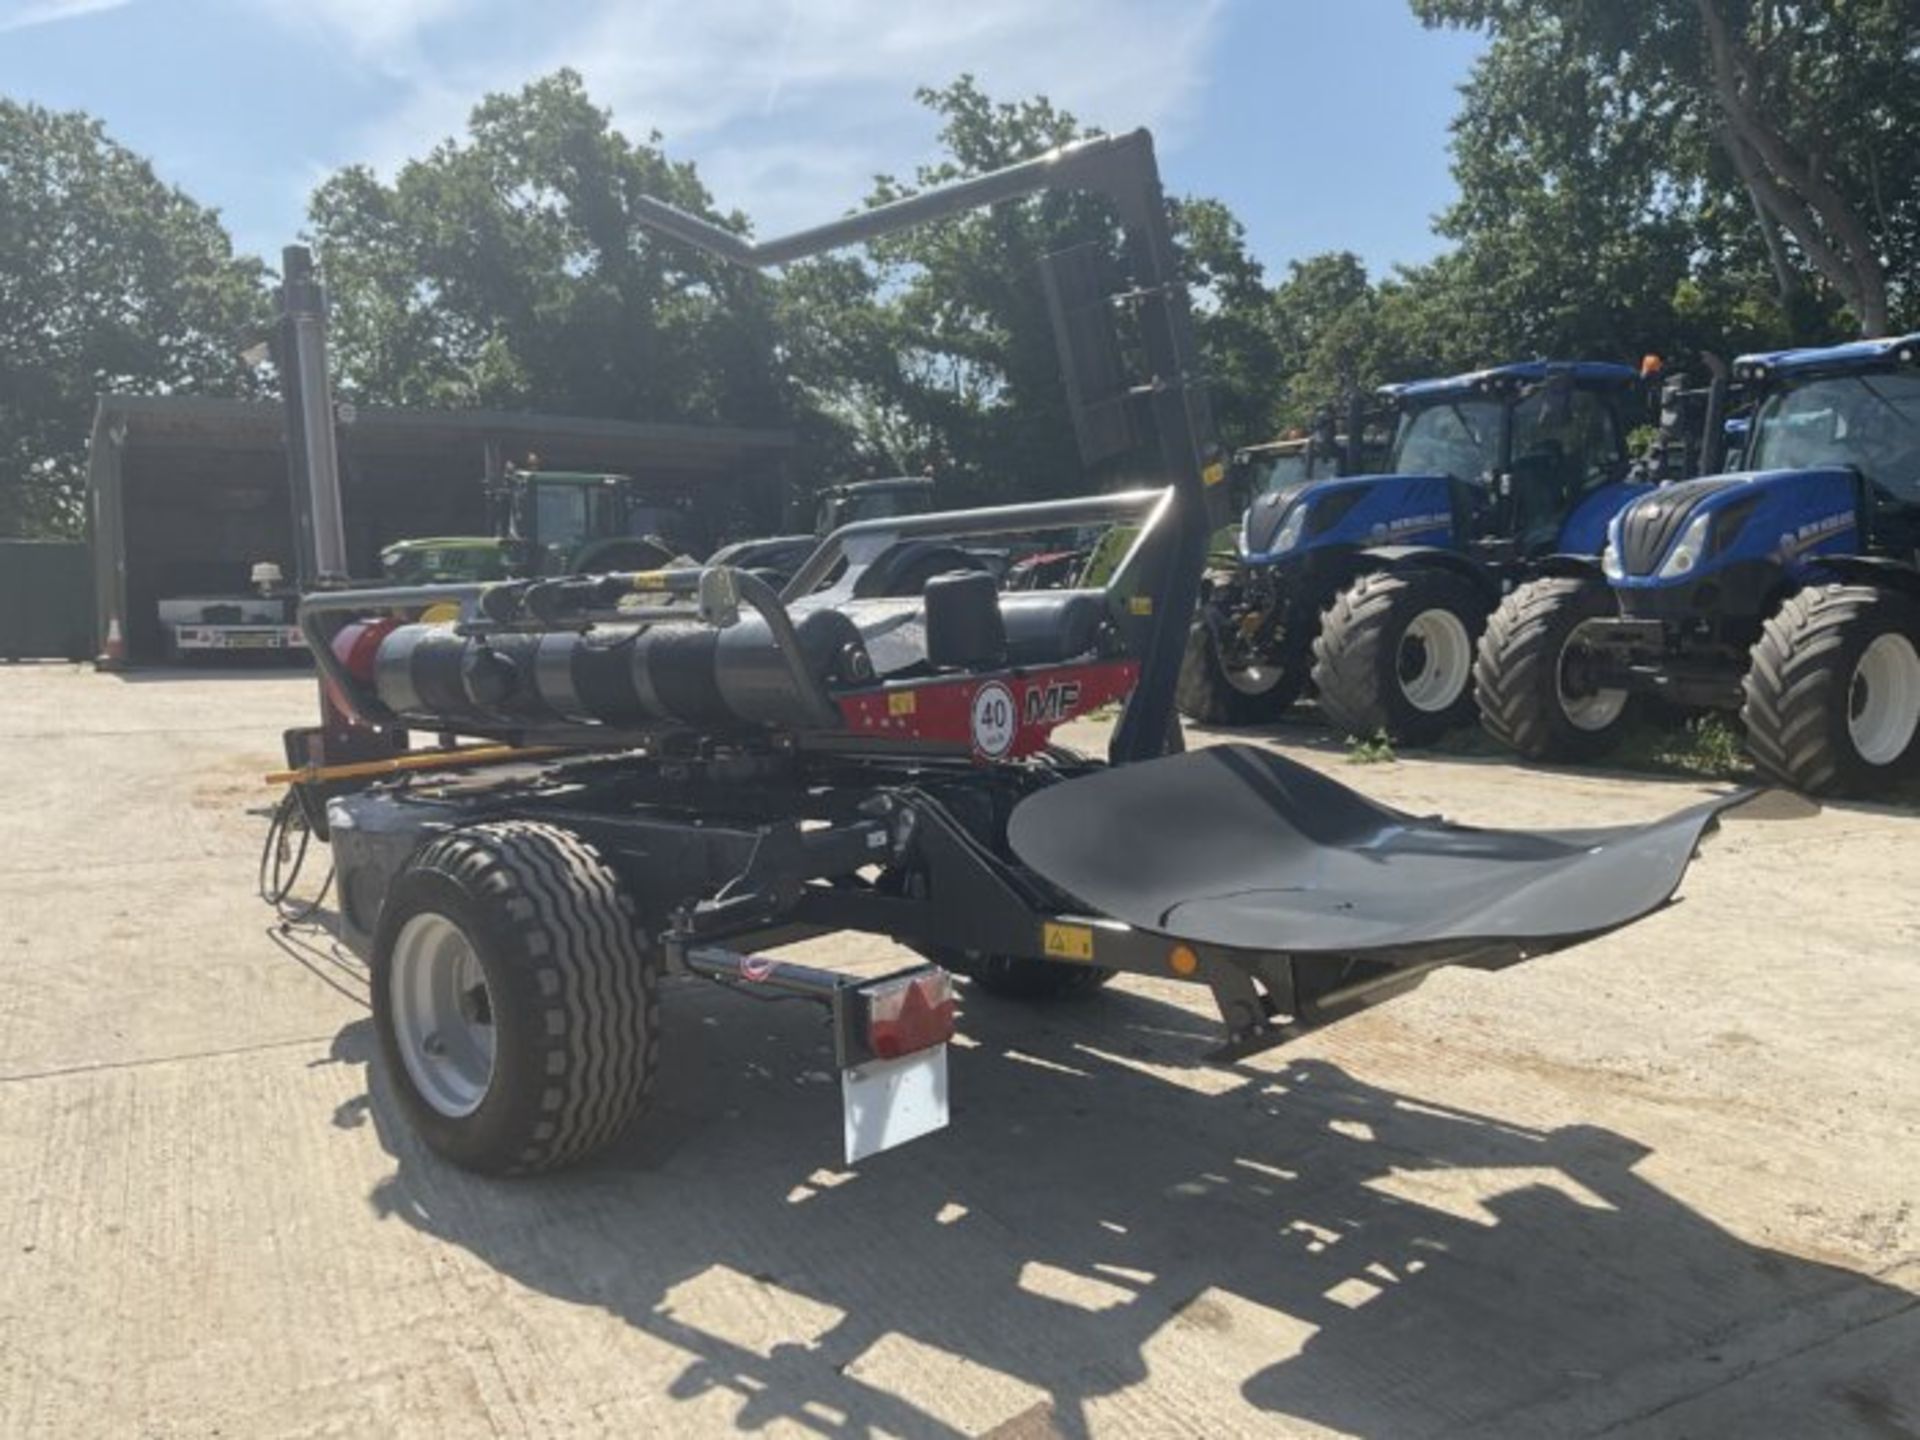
[[187, 494]]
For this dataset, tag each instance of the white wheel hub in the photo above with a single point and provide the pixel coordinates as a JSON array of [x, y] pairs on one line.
[[442, 1014], [1585, 709], [1435, 660], [1883, 699]]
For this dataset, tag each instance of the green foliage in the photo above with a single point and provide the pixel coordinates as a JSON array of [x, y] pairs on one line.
[[1377, 751], [109, 280], [1677, 174], [506, 269], [937, 353], [1707, 745]]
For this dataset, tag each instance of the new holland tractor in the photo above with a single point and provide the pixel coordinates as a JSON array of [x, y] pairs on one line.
[[686, 785], [1376, 587], [1788, 591]]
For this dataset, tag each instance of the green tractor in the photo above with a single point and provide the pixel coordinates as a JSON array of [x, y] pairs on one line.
[[551, 522]]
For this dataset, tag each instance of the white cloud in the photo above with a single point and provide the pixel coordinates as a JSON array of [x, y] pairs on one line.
[[789, 107], [25, 14]]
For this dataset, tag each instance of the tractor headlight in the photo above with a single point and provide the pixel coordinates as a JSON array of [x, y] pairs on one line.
[[1610, 565], [1291, 528], [1691, 550]]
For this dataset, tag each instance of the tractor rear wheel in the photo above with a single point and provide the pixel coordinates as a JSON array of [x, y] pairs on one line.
[[1531, 679], [516, 1003], [1215, 691], [1833, 690], [1394, 656]]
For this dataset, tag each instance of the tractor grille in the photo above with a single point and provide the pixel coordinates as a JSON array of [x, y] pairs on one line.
[[1650, 524]]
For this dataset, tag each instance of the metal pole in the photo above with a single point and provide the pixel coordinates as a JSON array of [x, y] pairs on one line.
[[313, 459]]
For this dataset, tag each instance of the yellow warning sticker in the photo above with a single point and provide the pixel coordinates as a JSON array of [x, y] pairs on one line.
[[1140, 604], [902, 702], [1067, 942], [1213, 474]]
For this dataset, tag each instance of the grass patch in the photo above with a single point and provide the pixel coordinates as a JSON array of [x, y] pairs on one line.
[[1708, 746], [1377, 751]]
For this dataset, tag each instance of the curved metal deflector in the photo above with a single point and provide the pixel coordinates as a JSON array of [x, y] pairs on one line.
[[1239, 847]]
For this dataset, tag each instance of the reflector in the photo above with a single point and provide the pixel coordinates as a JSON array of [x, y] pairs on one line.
[[911, 1013]]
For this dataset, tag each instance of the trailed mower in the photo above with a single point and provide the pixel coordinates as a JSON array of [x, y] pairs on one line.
[[1376, 587], [680, 772], [1788, 591]]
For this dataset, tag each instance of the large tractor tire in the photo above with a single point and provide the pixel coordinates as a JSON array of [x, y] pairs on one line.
[[1394, 655], [1529, 679], [1833, 690], [516, 1002], [1215, 694]]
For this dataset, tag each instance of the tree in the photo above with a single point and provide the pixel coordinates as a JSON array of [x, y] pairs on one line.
[[507, 269], [110, 280], [946, 357], [1691, 171]]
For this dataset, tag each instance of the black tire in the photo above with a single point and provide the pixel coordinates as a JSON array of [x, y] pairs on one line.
[[573, 991], [1805, 688], [1014, 978], [1363, 647], [1526, 673], [1207, 692]]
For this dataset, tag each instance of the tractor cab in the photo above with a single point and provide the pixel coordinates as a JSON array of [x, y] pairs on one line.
[[888, 499], [1830, 469], [1539, 448], [551, 522]]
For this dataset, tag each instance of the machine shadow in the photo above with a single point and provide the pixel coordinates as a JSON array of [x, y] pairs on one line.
[[1339, 1253]]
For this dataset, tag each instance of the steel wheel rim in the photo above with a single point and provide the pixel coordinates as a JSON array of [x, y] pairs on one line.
[[1586, 710], [1883, 699], [442, 1014], [1434, 660], [1253, 679]]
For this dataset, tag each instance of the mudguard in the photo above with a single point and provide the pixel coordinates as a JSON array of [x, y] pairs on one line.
[[1239, 847]]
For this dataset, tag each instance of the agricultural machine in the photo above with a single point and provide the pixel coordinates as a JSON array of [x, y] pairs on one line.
[[1789, 591], [1376, 587], [679, 772], [551, 522], [901, 571]]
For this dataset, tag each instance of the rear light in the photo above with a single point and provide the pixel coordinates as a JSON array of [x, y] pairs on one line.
[[912, 1013], [358, 643]]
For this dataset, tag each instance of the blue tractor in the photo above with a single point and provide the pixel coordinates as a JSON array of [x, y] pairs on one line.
[[1376, 587], [1789, 591]]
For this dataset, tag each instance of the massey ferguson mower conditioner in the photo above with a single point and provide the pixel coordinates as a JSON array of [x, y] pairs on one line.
[[682, 771]]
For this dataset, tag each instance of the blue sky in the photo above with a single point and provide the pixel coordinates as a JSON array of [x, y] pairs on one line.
[[1321, 122]]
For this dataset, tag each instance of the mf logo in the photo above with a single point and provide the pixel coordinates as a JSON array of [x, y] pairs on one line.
[[1050, 704]]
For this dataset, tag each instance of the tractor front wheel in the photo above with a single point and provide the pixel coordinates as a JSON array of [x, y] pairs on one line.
[[1218, 689], [516, 1003], [1833, 690], [1394, 656], [1533, 678]]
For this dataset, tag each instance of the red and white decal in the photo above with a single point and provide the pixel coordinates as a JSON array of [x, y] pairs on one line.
[[999, 717], [995, 720]]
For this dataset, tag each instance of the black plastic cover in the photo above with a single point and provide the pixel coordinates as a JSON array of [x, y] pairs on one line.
[[1239, 847]]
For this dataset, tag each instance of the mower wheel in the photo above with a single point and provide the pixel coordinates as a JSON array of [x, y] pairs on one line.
[[1394, 655], [1529, 678], [1215, 694], [1013, 978], [516, 1002], [1833, 690]]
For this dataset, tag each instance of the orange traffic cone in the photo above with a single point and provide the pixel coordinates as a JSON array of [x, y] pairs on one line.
[[115, 653]]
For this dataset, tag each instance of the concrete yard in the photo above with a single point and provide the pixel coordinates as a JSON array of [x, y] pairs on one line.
[[1664, 1184]]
